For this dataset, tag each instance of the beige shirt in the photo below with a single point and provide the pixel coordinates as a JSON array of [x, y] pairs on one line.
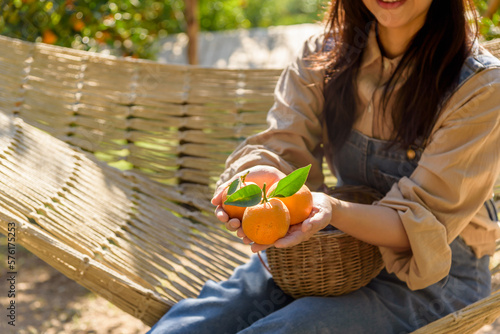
[[442, 199]]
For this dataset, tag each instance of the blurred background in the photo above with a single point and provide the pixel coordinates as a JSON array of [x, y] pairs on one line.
[[134, 28]]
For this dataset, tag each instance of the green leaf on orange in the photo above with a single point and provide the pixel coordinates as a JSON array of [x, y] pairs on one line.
[[291, 183], [247, 196], [233, 186]]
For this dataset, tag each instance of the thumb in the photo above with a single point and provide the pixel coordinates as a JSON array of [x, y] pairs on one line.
[[309, 222], [317, 220], [307, 225], [217, 199]]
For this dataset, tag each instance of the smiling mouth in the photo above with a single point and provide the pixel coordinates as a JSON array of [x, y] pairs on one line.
[[390, 4]]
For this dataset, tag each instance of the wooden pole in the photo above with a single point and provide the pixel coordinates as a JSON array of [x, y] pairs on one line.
[[193, 27], [493, 6]]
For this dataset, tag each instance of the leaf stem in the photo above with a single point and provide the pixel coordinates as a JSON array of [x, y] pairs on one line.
[[264, 196], [243, 177]]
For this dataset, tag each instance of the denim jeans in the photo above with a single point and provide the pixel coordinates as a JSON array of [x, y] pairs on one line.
[[250, 302]]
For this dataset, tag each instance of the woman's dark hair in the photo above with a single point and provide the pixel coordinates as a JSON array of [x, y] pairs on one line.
[[432, 61]]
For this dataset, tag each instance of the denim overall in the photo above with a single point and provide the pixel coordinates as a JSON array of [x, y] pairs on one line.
[[250, 302]]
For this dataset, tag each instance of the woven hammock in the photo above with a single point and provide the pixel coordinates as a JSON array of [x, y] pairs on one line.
[[143, 235]]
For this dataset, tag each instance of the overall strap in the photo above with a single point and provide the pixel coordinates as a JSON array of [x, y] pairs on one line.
[[475, 63]]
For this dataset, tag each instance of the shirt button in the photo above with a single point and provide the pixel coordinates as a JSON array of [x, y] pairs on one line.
[[410, 154]]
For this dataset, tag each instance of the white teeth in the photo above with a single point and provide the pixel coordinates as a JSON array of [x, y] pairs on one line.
[[391, 0]]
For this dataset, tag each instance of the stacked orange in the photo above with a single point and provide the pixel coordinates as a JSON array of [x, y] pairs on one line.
[[269, 220]]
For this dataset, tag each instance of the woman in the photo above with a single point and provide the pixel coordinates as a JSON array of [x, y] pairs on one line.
[[410, 106]]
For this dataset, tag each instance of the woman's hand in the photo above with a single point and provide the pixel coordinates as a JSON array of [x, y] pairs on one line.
[[319, 218], [259, 175]]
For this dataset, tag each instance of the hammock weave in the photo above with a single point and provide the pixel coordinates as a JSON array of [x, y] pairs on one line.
[[143, 236]]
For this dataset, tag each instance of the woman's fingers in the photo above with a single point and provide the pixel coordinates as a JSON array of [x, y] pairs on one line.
[[221, 215], [233, 224], [294, 237], [241, 234], [308, 224], [319, 218], [255, 248], [217, 199]]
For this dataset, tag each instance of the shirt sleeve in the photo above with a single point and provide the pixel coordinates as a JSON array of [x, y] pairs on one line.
[[293, 138], [453, 179]]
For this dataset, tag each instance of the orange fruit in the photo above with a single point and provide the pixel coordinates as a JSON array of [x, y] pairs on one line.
[[266, 222], [49, 37], [260, 178], [299, 204], [233, 211], [78, 25]]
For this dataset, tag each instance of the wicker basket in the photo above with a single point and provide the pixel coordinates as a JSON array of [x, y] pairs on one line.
[[331, 263]]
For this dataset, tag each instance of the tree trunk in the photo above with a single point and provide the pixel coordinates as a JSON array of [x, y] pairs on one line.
[[193, 27], [492, 8]]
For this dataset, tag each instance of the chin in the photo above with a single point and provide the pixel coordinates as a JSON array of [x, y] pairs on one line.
[[391, 21]]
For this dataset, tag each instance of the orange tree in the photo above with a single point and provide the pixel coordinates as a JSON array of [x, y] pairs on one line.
[[489, 25], [125, 27], [130, 27]]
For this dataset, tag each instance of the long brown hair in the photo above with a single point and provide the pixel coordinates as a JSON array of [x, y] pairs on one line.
[[432, 61]]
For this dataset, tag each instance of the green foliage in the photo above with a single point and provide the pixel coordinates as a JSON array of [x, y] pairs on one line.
[[232, 14], [291, 183], [125, 27], [247, 196], [130, 27], [489, 28]]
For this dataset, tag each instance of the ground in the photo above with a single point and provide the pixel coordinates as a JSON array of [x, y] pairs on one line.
[[48, 302]]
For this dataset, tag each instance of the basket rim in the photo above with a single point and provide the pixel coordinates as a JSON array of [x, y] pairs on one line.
[[334, 233]]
